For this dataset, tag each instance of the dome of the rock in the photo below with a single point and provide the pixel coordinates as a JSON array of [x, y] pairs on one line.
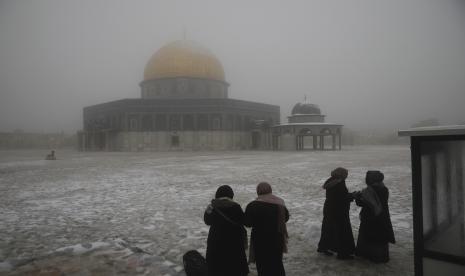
[[184, 58]]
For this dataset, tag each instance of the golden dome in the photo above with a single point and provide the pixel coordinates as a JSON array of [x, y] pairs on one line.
[[183, 58]]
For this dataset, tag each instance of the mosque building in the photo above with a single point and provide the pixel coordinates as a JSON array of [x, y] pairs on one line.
[[184, 105], [304, 125]]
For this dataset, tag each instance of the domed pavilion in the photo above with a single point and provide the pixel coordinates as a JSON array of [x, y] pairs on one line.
[[306, 129], [184, 105]]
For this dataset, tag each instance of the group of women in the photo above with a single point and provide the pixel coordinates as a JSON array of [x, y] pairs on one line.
[[375, 231], [227, 238], [267, 216]]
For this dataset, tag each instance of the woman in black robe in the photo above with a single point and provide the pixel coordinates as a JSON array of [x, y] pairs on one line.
[[336, 230], [227, 236], [375, 232], [267, 215]]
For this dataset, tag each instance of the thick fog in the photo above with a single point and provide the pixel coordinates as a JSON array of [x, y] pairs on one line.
[[381, 64]]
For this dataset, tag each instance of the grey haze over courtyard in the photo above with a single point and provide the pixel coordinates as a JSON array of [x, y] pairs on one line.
[[367, 64], [93, 80]]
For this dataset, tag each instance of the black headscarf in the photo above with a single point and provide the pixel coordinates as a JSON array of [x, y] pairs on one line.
[[224, 191], [369, 195], [373, 177], [337, 176]]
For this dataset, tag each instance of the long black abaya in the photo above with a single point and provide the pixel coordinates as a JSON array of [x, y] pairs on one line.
[[375, 232], [336, 229]]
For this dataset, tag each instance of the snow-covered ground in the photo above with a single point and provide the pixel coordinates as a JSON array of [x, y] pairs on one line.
[[138, 213]]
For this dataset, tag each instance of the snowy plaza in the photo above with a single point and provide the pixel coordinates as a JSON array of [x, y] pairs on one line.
[[98, 213]]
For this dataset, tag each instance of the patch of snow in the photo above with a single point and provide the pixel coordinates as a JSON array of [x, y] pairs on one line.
[[155, 202], [78, 249], [167, 263]]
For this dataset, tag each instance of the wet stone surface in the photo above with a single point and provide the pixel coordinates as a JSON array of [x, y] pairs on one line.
[[138, 213]]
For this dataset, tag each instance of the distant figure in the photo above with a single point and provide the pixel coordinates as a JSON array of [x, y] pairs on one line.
[[375, 232], [267, 215], [227, 237], [336, 230], [51, 156]]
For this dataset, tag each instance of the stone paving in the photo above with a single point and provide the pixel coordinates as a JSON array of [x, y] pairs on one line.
[[138, 213]]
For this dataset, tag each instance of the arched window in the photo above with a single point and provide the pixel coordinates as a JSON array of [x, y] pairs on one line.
[[202, 122], [147, 123], [305, 132], [165, 89], [182, 86], [188, 122], [216, 123], [175, 140], [228, 124], [175, 122], [160, 122], [238, 122], [326, 131], [133, 124], [248, 124]]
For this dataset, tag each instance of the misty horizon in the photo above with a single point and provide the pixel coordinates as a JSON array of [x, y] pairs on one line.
[[383, 65]]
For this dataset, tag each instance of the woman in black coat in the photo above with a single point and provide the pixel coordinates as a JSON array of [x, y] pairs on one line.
[[267, 215], [227, 236], [336, 230], [375, 232]]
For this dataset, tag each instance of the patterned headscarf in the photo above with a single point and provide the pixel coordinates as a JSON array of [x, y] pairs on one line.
[[264, 188]]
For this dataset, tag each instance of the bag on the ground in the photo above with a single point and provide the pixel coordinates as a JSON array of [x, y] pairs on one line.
[[194, 263]]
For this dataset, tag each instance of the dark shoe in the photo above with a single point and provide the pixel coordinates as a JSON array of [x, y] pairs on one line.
[[326, 252], [345, 257]]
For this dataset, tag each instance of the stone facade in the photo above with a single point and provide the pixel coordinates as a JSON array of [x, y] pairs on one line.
[[183, 87], [178, 124], [184, 105], [185, 140]]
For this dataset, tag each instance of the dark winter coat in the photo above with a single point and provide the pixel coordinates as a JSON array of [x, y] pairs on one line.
[[375, 232], [336, 229], [266, 240], [225, 245]]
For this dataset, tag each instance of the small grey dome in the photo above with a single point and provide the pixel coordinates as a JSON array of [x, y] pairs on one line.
[[306, 108]]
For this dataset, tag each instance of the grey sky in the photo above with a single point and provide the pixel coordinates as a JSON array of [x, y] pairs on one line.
[[366, 63]]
